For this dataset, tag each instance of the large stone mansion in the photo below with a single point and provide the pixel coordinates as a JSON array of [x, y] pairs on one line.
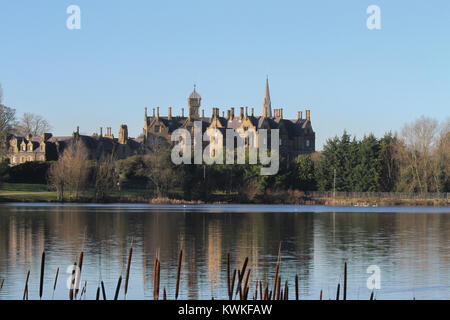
[[296, 135]]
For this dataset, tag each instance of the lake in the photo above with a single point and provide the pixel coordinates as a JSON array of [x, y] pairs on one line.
[[409, 245]]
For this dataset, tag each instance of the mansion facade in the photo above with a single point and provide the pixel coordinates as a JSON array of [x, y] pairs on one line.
[[296, 135]]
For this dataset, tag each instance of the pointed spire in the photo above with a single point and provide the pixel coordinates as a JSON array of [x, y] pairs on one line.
[[267, 105]]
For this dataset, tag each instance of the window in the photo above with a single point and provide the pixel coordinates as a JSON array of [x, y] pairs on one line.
[[42, 148], [189, 128], [281, 142], [157, 129], [24, 148], [30, 159], [307, 143], [30, 148], [14, 160]]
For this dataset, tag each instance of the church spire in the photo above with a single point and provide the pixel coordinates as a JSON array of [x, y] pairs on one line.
[[267, 105]]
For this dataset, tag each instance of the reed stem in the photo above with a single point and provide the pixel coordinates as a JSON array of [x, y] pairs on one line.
[[41, 282], [180, 258]]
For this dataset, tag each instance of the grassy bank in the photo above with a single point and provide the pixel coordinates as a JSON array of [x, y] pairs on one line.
[[17, 192]]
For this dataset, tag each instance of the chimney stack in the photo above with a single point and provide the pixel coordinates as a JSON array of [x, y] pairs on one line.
[[157, 112], [170, 113], [101, 132], [281, 113], [203, 113], [153, 112], [246, 112], [182, 112], [300, 115], [253, 112], [241, 114], [232, 113], [307, 115], [228, 114]]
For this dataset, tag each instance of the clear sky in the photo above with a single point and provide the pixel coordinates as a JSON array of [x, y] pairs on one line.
[[319, 55]]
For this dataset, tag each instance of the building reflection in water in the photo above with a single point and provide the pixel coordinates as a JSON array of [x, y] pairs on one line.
[[411, 248]]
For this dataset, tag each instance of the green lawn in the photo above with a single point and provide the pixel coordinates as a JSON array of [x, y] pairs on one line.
[[25, 192]]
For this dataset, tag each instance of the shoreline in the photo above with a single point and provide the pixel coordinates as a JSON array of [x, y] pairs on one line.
[[351, 202]]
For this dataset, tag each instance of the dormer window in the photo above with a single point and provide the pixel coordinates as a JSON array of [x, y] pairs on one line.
[[42, 148], [24, 148], [30, 148], [157, 128]]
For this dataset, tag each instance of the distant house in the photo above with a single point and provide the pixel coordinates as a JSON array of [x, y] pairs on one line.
[[29, 148], [47, 147]]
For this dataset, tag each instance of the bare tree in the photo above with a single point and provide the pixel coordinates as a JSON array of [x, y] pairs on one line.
[[105, 177], [32, 124], [416, 152], [7, 123], [70, 172]]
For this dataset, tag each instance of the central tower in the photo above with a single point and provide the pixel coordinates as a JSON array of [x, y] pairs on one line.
[[194, 101]]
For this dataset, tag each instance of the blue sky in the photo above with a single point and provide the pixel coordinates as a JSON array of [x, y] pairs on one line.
[[319, 55]]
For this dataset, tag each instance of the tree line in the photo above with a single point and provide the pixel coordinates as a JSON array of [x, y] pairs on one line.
[[415, 160]]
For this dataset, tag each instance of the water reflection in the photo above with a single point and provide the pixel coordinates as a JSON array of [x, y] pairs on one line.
[[410, 245]]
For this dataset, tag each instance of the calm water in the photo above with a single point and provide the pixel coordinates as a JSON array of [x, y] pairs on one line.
[[411, 246]]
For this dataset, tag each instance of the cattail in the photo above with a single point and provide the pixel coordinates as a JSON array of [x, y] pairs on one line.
[[345, 281], [286, 291], [261, 297], [25, 290], [241, 276], [296, 287], [246, 284], [83, 291], [127, 276], [164, 294], [156, 280], [232, 284], [337, 293], [276, 278], [41, 283], [320, 294], [72, 281], [180, 258], [78, 273], [97, 296], [56, 280], [103, 291], [116, 295]]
